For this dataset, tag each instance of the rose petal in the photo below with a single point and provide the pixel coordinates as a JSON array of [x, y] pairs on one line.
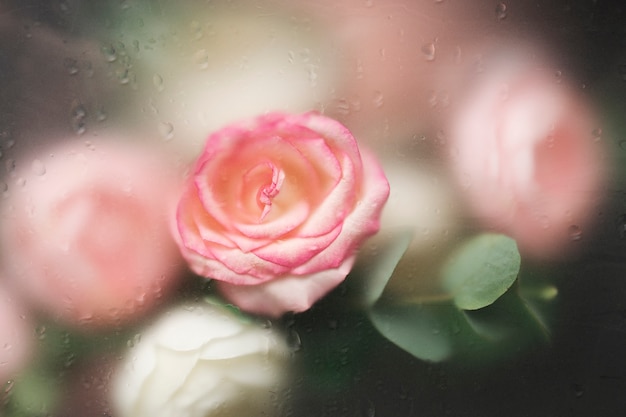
[[362, 222], [296, 250], [269, 298]]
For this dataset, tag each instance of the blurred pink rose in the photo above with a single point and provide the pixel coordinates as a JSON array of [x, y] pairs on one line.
[[526, 150], [276, 208], [16, 335], [397, 62], [86, 233]]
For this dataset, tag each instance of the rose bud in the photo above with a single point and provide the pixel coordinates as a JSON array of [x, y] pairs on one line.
[[276, 207], [201, 360], [526, 151], [85, 231]]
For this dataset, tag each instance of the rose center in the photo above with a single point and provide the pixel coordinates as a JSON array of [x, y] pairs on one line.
[[267, 192]]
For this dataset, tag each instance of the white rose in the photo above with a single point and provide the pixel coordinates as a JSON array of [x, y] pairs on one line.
[[200, 361]]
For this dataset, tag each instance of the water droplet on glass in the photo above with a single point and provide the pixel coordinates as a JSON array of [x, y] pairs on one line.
[[124, 76], [166, 130], [342, 106], [558, 74], [69, 360], [9, 143], [432, 99], [101, 115], [134, 340], [501, 11], [38, 167], [574, 232], [369, 410], [79, 111], [578, 390], [71, 65], [378, 99], [196, 29], [622, 144], [441, 137], [9, 386], [201, 59], [597, 134], [428, 51], [294, 341], [41, 332], [359, 69], [109, 52], [157, 80], [78, 115], [64, 7], [10, 165]]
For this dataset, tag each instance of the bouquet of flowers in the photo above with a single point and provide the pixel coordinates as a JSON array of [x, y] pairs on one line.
[[245, 208]]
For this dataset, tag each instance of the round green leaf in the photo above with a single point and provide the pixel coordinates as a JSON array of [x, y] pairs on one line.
[[481, 270]]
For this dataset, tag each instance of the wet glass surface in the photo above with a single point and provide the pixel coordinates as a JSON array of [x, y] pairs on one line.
[[159, 157]]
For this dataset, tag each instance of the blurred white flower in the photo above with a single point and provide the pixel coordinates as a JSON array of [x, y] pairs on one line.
[[199, 69], [199, 361], [422, 201]]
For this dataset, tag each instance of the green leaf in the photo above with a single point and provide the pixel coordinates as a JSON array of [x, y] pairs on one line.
[[425, 331], [376, 264], [481, 270], [441, 332]]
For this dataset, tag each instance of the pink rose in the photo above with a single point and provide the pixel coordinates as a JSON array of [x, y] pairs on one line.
[[276, 207], [526, 150], [85, 231], [16, 335]]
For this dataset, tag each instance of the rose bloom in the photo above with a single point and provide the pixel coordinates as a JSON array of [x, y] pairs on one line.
[[276, 207], [527, 153], [199, 361], [396, 59], [16, 335], [85, 231]]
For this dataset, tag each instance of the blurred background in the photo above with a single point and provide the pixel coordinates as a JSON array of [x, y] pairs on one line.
[[171, 72]]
